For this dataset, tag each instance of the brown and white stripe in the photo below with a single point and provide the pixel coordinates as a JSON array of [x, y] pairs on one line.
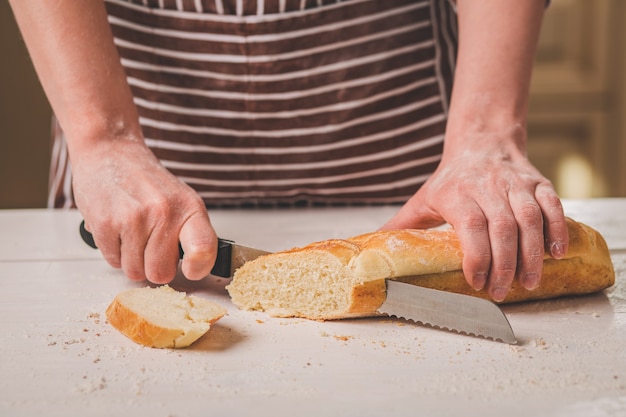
[[283, 102]]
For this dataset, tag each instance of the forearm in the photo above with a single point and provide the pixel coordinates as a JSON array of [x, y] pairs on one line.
[[72, 49], [497, 42]]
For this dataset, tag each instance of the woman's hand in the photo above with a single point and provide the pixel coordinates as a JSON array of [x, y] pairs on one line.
[[503, 210], [138, 212]]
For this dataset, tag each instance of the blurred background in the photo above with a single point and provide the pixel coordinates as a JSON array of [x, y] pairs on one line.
[[577, 121]]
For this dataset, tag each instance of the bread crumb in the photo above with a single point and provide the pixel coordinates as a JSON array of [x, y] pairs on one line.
[[95, 317], [337, 337], [540, 344], [93, 385], [516, 348], [74, 341]]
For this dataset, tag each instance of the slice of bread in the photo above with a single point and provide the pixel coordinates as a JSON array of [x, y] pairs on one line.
[[338, 278], [162, 317]]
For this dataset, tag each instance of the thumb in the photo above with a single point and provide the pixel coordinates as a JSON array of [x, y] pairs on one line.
[[413, 215], [199, 243]]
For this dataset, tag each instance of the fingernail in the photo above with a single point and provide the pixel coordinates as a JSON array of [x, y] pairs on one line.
[[556, 250], [499, 293], [479, 280], [530, 281]]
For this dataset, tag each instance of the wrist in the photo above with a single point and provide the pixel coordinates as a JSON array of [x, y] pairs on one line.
[[484, 116], [98, 135], [485, 131], [90, 128]]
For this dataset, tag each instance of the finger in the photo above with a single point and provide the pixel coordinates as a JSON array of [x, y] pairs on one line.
[[555, 224], [132, 248], [161, 256], [503, 238], [471, 228], [108, 242], [199, 243], [531, 247]]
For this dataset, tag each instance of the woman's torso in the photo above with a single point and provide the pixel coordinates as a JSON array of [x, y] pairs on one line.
[[287, 102]]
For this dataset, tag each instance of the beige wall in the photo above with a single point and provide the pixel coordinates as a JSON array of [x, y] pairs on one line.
[[577, 121], [24, 123], [577, 124]]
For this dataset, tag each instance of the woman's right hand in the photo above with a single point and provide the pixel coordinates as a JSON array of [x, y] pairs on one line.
[[138, 212]]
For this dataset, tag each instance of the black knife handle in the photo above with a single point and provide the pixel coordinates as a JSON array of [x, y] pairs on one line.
[[222, 267], [222, 263], [86, 235]]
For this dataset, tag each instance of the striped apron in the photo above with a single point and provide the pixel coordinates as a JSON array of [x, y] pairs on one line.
[[258, 103]]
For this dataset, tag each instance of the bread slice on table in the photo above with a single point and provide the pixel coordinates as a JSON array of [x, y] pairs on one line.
[[162, 317], [337, 278]]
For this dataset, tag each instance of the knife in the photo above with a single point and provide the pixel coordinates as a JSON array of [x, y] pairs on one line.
[[444, 310], [230, 255]]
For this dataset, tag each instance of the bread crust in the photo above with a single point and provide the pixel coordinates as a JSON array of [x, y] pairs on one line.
[[429, 258], [138, 326], [586, 268]]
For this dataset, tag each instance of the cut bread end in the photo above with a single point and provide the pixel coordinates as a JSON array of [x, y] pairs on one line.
[[315, 284], [162, 317]]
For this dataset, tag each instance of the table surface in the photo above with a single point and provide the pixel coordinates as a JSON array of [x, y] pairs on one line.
[[58, 355]]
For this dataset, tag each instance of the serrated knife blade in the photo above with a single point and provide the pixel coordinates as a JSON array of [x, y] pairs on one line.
[[448, 311]]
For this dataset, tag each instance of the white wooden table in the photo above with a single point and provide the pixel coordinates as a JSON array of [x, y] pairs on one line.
[[58, 356]]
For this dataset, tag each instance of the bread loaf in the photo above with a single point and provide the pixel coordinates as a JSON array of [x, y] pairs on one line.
[[337, 278], [162, 317]]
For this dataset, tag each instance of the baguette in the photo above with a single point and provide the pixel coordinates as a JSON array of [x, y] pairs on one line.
[[336, 279], [162, 317]]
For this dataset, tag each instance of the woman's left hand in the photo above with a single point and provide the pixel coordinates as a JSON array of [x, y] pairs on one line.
[[503, 210]]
